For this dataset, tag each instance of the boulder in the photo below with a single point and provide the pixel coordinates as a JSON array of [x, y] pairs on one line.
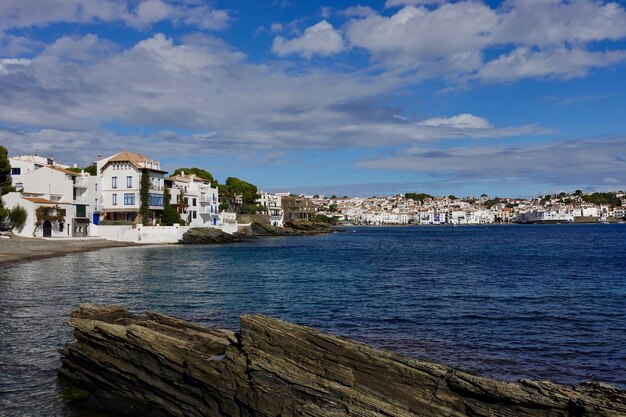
[[208, 235], [161, 366]]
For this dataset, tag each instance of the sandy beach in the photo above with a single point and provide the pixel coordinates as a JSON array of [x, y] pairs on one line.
[[19, 249]]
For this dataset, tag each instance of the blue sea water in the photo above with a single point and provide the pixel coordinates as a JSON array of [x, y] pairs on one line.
[[509, 302]]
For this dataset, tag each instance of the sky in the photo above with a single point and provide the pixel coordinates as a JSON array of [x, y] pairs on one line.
[[514, 99]]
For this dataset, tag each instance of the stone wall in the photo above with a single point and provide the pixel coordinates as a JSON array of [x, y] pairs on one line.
[[157, 365]]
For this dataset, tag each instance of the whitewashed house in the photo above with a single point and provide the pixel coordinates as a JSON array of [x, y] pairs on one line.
[[196, 198], [50, 186], [117, 190], [52, 205], [21, 165]]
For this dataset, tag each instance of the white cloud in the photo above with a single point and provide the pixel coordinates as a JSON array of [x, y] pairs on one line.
[[568, 162], [560, 62], [416, 35], [276, 27], [401, 3], [320, 39], [470, 38], [358, 11], [23, 14], [77, 85], [554, 22]]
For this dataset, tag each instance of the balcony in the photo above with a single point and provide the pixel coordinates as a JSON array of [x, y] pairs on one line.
[[81, 182]]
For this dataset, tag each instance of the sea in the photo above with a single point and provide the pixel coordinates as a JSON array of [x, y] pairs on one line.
[[544, 302]]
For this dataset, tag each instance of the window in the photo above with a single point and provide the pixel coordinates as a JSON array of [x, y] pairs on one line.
[[194, 202], [156, 200], [113, 182], [16, 171], [61, 227], [129, 217], [114, 199], [129, 199], [194, 214], [129, 182]]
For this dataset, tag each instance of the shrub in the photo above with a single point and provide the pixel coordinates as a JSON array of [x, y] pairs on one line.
[[18, 216]]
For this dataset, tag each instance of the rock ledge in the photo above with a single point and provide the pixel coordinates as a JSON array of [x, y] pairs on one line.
[[157, 365]]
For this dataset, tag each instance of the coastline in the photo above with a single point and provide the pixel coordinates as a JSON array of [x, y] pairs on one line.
[[21, 249]]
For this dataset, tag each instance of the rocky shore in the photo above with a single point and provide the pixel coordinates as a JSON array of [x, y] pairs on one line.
[[160, 366], [21, 249], [200, 235]]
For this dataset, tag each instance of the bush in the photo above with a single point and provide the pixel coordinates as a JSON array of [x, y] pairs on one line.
[[171, 216], [18, 216]]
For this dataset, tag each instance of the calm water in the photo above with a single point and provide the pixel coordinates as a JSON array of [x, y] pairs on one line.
[[541, 302]]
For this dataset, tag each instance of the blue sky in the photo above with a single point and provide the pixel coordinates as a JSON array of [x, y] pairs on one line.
[[513, 98]]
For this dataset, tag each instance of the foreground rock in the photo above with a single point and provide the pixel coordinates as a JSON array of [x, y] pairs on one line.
[[157, 365], [208, 235]]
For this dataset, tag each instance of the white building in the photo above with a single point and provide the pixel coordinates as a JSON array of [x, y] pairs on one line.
[[51, 205], [21, 165], [196, 199], [55, 189], [117, 193], [273, 204]]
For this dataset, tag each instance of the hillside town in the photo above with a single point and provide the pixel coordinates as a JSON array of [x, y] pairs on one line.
[[129, 197], [423, 209]]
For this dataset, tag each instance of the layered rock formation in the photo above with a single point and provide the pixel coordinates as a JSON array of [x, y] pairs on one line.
[[208, 235], [158, 365]]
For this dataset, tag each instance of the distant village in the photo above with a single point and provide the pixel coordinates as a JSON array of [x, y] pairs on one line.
[[129, 197]]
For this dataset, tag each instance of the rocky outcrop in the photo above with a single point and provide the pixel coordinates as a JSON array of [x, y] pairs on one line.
[[208, 235], [257, 229], [158, 365], [307, 227]]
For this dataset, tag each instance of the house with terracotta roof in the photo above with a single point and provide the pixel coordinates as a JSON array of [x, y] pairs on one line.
[[117, 197], [57, 215], [57, 190], [195, 198]]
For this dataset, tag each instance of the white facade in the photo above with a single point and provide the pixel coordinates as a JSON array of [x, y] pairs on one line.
[[116, 193], [49, 186], [21, 165], [273, 205], [200, 202], [31, 202]]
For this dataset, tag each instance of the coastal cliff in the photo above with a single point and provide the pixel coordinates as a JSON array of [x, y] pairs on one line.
[[157, 365]]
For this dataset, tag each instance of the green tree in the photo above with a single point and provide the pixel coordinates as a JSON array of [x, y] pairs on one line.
[[5, 172], [198, 172], [170, 215], [239, 195], [420, 197], [452, 197], [144, 197], [18, 216], [603, 198], [91, 170]]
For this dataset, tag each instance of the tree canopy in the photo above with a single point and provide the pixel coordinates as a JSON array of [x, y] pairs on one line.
[[603, 198], [5, 172], [235, 189], [198, 172], [91, 170], [418, 196]]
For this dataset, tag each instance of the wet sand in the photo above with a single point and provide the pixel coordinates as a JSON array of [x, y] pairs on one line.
[[20, 249]]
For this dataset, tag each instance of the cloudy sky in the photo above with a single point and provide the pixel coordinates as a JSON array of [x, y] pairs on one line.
[[511, 98]]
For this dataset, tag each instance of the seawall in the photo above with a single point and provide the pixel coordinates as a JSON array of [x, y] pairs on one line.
[[157, 365]]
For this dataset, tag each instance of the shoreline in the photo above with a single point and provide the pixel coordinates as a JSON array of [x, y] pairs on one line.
[[22, 249]]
